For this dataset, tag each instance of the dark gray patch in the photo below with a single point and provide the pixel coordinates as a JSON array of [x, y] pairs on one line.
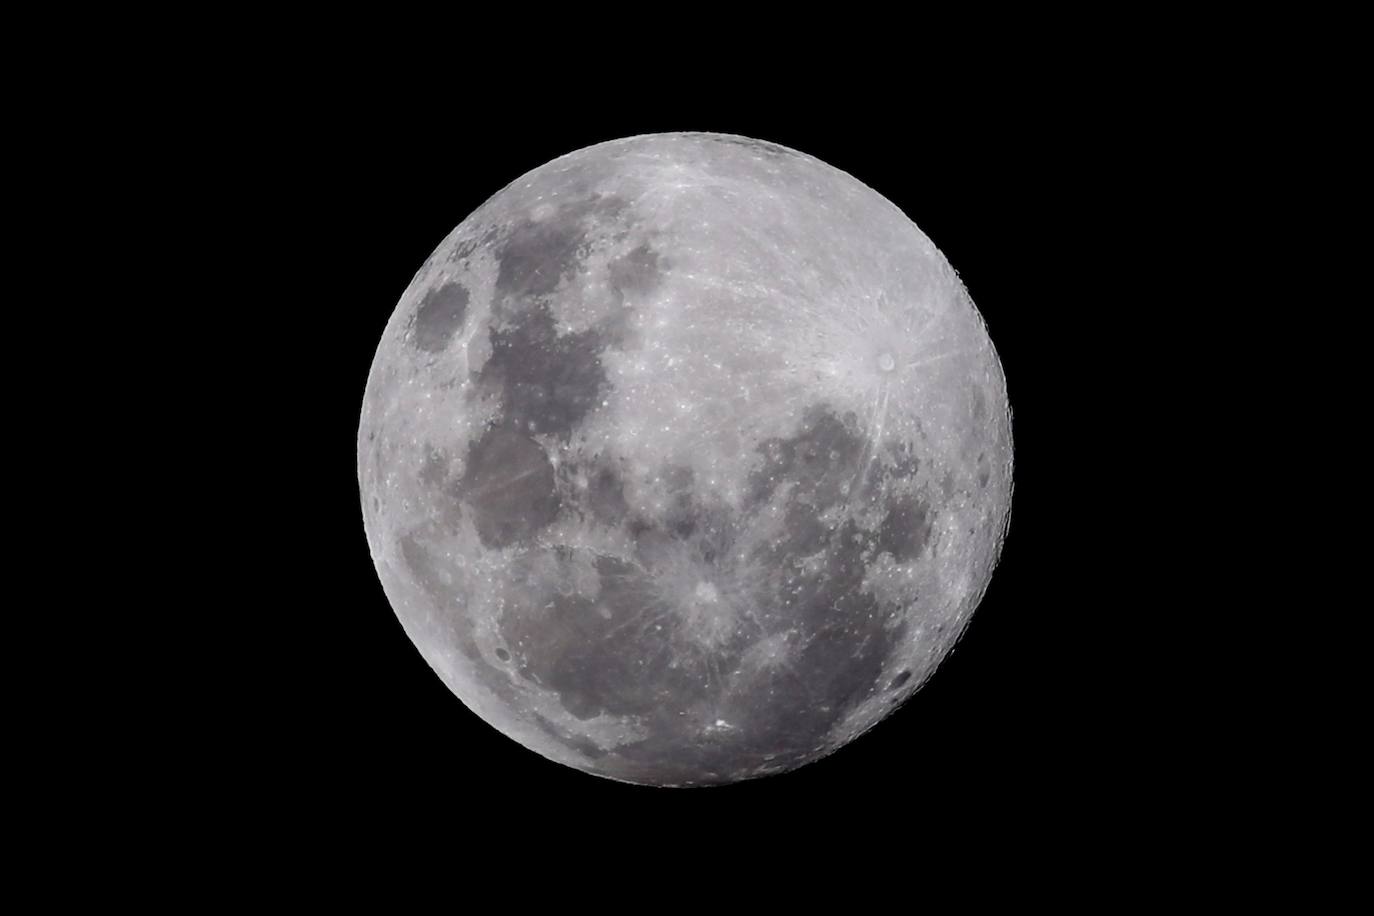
[[980, 404], [906, 529], [899, 680], [536, 256], [421, 564], [621, 654], [840, 638], [503, 655], [984, 472], [579, 743], [680, 513], [638, 272], [841, 641], [586, 747], [441, 313], [903, 460], [708, 534], [606, 494], [846, 641], [547, 383], [803, 533], [463, 250], [509, 483], [615, 654], [822, 458]]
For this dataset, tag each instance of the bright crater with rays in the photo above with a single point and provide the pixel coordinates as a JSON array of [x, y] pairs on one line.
[[685, 459]]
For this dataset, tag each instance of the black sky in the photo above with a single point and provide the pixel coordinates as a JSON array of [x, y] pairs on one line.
[[1036, 711]]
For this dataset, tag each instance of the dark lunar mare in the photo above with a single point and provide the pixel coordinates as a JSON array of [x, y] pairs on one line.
[[821, 458], [509, 484], [638, 271], [626, 653], [906, 529], [605, 494], [613, 654], [547, 382], [440, 315], [535, 256]]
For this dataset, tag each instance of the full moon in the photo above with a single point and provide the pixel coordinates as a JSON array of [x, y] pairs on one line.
[[685, 459]]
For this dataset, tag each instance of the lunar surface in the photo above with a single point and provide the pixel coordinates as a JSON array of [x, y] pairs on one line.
[[685, 459]]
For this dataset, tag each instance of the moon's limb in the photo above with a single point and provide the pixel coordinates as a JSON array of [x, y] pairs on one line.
[[685, 459]]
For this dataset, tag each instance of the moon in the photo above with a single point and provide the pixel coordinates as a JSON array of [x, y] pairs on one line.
[[685, 459]]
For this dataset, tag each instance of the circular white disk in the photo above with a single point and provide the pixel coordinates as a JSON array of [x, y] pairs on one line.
[[685, 459]]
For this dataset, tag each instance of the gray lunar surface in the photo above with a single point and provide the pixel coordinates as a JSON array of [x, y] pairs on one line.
[[685, 459]]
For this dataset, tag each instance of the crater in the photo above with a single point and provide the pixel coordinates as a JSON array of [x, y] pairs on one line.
[[463, 250], [763, 147], [440, 316]]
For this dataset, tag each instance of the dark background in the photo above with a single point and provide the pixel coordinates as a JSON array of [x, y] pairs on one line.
[[1036, 715]]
